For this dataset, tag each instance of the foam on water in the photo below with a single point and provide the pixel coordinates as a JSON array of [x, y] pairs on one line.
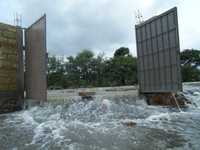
[[28, 118], [100, 125]]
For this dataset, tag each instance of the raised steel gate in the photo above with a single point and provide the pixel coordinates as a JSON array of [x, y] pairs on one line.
[[36, 87], [158, 54]]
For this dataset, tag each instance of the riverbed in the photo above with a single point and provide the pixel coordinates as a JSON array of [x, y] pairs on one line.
[[67, 122]]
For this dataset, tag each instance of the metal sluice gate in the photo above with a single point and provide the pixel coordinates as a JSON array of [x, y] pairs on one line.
[[158, 52], [22, 64]]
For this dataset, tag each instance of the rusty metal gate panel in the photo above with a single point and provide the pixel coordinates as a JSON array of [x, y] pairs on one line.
[[36, 60], [11, 93], [158, 54]]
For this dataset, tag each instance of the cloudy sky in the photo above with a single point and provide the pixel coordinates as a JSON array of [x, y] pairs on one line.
[[100, 25]]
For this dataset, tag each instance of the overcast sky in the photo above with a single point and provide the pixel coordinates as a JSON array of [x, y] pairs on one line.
[[100, 25]]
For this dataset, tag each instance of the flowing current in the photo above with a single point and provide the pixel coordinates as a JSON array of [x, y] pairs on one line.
[[100, 124]]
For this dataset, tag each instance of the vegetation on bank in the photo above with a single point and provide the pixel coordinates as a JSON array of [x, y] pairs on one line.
[[88, 70], [190, 65]]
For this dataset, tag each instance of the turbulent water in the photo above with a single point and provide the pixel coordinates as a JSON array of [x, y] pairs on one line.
[[100, 125]]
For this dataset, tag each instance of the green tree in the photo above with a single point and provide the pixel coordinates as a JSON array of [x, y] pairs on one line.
[[190, 63], [84, 65], [191, 57], [190, 73], [122, 68], [79, 69], [122, 51], [86, 70], [56, 72]]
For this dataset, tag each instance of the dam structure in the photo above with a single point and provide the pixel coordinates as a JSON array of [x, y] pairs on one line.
[[22, 64]]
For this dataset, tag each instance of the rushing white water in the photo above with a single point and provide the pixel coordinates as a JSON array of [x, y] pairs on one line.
[[101, 125]]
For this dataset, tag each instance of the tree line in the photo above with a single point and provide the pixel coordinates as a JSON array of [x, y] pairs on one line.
[[87, 70], [190, 65]]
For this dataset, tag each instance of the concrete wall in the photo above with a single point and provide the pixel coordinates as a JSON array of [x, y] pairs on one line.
[[9, 68]]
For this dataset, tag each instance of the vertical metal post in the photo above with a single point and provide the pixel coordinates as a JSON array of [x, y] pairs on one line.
[[20, 64]]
